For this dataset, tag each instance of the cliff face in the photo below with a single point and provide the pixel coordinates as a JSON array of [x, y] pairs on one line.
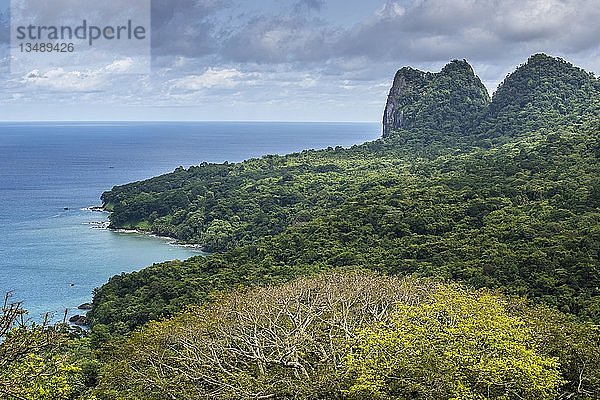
[[406, 82], [449, 101]]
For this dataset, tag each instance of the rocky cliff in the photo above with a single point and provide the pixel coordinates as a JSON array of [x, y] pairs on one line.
[[449, 101]]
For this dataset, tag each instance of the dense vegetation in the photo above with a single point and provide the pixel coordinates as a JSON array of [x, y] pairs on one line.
[[441, 105], [355, 336], [41, 361], [502, 197], [545, 93], [519, 212]]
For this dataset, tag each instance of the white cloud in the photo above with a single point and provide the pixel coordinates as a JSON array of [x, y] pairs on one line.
[[213, 77], [308, 82], [120, 66], [479, 30], [319, 56], [391, 9], [60, 79]]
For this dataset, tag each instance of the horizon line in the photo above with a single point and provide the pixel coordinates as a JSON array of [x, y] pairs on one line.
[[186, 121]]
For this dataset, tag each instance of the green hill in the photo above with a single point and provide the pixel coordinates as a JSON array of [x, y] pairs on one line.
[[520, 214], [545, 92], [457, 257]]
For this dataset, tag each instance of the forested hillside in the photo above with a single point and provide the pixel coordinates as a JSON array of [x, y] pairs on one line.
[[449, 103], [493, 207], [457, 257]]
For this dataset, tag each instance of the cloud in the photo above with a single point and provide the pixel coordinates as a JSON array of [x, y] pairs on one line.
[[4, 27], [123, 66], [402, 31], [280, 39], [220, 78], [421, 30], [4, 48], [323, 57], [442, 29], [308, 5], [186, 27], [68, 81], [567, 25]]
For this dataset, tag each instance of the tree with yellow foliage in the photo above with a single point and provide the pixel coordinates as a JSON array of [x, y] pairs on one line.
[[455, 345]]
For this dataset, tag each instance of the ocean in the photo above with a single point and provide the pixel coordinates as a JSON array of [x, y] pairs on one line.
[[53, 251]]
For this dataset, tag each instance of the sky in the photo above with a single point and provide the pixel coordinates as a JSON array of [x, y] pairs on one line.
[[294, 60]]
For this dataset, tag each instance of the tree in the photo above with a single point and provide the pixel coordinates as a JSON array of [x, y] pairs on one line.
[[576, 344], [33, 362], [356, 335], [283, 342], [455, 345]]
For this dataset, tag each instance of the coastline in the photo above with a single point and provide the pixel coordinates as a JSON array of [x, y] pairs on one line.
[[89, 254], [171, 241], [77, 316]]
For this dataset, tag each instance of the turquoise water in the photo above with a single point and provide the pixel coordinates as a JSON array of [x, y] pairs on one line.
[[52, 258]]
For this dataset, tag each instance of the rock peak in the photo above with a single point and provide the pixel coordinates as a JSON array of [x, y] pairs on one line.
[[446, 101], [458, 66]]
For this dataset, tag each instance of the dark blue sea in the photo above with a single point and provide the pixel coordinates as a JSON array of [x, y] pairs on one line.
[[52, 253]]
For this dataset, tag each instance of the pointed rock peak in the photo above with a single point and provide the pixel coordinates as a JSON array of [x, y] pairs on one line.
[[409, 70], [446, 103], [408, 74], [458, 66]]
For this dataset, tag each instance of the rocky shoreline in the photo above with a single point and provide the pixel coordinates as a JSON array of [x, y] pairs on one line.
[[81, 320], [171, 241], [106, 225]]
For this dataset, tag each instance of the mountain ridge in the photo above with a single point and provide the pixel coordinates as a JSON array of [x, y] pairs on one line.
[[543, 91]]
